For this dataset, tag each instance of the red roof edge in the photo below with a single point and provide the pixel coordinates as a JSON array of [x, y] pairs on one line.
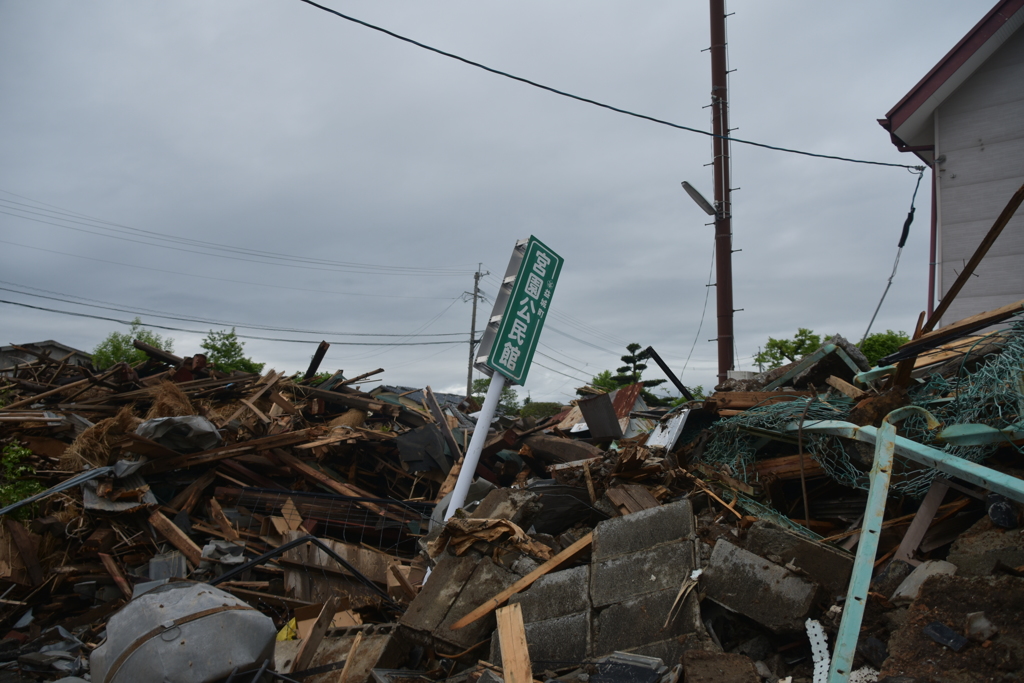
[[949, 64]]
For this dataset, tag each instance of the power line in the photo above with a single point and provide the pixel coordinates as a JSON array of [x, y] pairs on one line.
[[307, 266], [223, 279], [240, 336], [707, 293], [121, 308], [560, 373], [594, 102], [63, 212]]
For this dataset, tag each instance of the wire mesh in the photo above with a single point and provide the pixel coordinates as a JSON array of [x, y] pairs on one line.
[[986, 386]]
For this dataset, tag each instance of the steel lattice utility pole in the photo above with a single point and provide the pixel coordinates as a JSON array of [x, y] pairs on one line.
[[723, 202]]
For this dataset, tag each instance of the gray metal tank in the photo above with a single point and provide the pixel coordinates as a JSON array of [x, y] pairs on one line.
[[182, 632]]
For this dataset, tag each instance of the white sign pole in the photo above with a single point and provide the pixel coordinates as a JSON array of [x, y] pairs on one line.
[[476, 444]]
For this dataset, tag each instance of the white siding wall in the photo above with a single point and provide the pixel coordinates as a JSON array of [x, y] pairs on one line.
[[980, 130]]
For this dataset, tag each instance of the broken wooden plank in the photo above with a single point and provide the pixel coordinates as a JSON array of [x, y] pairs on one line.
[[403, 581], [315, 476], [115, 573], [230, 451], [741, 400], [522, 584], [217, 513], [630, 498], [922, 521], [351, 657], [176, 537], [788, 467], [845, 388], [27, 549], [310, 643], [515, 654], [187, 499]]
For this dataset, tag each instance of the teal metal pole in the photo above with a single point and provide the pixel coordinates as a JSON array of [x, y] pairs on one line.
[[863, 565]]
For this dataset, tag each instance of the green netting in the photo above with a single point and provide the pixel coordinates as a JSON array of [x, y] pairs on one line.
[[990, 392]]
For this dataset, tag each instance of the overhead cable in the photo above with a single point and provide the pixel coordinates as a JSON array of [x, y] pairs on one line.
[[240, 336], [67, 299], [595, 102]]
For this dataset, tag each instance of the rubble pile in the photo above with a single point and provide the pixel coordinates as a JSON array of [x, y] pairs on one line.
[[293, 528]]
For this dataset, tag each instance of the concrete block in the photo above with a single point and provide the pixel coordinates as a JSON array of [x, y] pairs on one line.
[[644, 529], [639, 621], [828, 567], [908, 590], [553, 643], [486, 580], [556, 595], [977, 550], [769, 594], [718, 667], [646, 571], [431, 604]]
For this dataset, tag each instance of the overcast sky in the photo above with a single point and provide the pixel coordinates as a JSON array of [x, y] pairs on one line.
[[386, 173]]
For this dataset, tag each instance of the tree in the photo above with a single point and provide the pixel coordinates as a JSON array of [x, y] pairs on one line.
[[779, 352], [508, 404], [540, 410], [881, 344], [630, 373], [117, 347], [224, 350]]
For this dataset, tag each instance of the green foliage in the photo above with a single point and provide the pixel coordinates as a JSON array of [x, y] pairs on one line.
[[14, 486], [509, 402], [117, 347], [540, 409], [881, 344], [629, 373], [224, 350], [779, 352], [698, 395], [604, 381]]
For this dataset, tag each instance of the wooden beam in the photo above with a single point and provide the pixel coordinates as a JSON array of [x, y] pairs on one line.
[[922, 521], [217, 513], [522, 584], [403, 582], [176, 537], [363, 376], [189, 496], [115, 573], [311, 642], [515, 654], [845, 388], [315, 476], [986, 243], [27, 550], [351, 657]]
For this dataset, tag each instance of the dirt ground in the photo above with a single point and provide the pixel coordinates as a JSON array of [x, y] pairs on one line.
[[948, 599]]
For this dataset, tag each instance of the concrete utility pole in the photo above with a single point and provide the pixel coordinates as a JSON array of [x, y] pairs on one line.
[[472, 329], [723, 191]]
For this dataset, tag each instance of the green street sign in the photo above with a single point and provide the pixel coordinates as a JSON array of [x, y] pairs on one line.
[[516, 340]]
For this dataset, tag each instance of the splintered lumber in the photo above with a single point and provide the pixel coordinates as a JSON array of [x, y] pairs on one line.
[[27, 549], [318, 357], [222, 520], [630, 498], [311, 642], [317, 477], [845, 388], [442, 422], [176, 537], [363, 376], [741, 400], [353, 400], [214, 454], [189, 496], [115, 573], [525, 582], [515, 655], [788, 467], [351, 657], [403, 582]]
